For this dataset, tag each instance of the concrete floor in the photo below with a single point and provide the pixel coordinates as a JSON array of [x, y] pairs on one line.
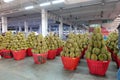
[[52, 70]]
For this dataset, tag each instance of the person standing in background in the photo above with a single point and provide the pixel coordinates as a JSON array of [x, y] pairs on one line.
[[118, 74]]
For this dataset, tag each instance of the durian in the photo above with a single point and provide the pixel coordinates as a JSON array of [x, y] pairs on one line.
[[71, 48], [97, 49]]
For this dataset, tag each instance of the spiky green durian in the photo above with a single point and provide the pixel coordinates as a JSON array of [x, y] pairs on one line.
[[102, 57], [40, 46], [71, 48], [18, 42], [31, 40], [94, 57], [88, 55]]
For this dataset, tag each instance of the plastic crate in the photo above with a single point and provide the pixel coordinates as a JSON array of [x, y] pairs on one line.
[[70, 63], [40, 58], [98, 67]]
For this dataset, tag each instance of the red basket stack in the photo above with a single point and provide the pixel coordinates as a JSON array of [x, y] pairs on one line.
[[59, 51], [6, 53], [117, 62], [29, 52], [70, 63], [19, 55], [98, 67], [52, 54], [114, 56], [40, 58]]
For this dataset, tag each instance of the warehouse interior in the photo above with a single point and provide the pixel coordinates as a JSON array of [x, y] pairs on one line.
[[60, 17]]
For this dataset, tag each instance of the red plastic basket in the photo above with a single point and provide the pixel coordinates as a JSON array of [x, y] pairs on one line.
[[1, 52], [83, 53], [6, 54], [59, 51], [29, 52], [109, 50], [19, 55], [114, 56], [98, 67], [117, 62], [40, 58], [52, 54], [70, 63]]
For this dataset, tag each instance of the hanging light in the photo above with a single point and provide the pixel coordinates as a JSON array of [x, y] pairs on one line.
[[45, 4], [58, 1], [29, 7], [7, 1]]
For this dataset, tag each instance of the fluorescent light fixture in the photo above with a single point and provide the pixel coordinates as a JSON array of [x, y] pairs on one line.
[[45, 4], [58, 1], [29, 7], [7, 1]]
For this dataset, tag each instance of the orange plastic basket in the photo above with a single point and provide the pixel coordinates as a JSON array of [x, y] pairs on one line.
[[6, 54], [98, 67], [29, 52], [59, 51], [19, 55], [52, 54], [70, 63], [40, 58]]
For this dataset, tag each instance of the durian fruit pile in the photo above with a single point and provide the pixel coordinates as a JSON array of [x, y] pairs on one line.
[[18, 42], [31, 40], [51, 42], [83, 41], [40, 45], [112, 42], [60, 43], [1, 40], [71, 48], [5, 44], [97, 49]]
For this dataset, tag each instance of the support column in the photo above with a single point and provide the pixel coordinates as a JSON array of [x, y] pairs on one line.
[[49, 28], [26, 26], [70, 28], [20, 28], [16, 29], [40, 30], [61, 29], [4, 24], [44, 22], [0, 28], [30, 29], [75, 29]]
